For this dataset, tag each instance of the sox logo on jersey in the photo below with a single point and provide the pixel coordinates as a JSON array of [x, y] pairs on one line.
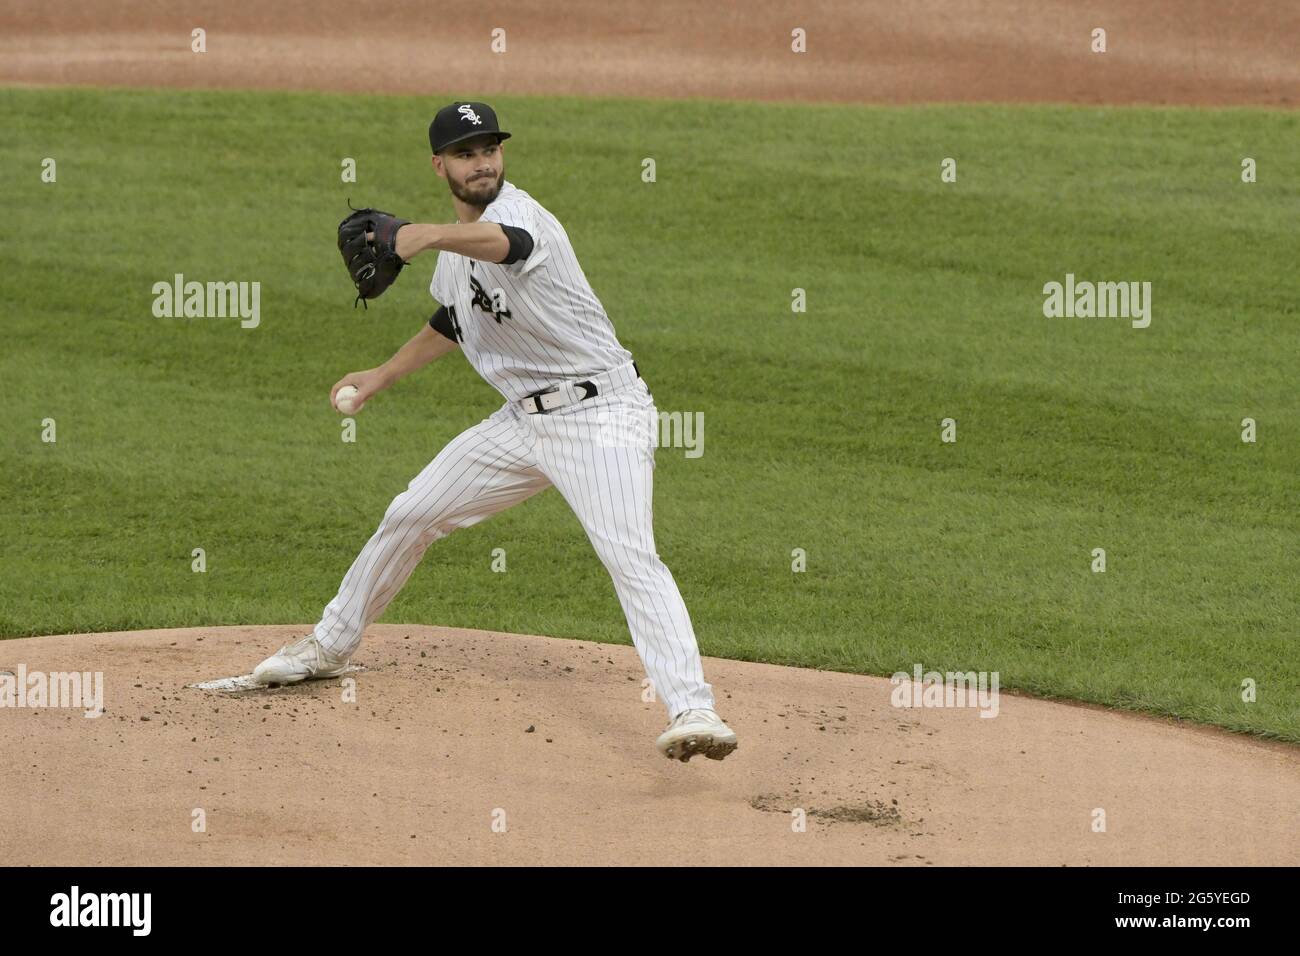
[[488, 303], [547, 333]]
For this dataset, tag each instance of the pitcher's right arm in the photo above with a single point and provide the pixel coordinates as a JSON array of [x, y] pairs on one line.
[[423, 347]]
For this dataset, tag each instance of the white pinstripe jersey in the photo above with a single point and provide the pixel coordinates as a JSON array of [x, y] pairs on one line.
[[533, 323]]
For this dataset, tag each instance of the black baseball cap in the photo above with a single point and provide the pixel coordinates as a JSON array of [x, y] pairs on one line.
[[461, 121]]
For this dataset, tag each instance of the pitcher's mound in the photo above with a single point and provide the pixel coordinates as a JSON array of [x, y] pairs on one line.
[[455, 746]]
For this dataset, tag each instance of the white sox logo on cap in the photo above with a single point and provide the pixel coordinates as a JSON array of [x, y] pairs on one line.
[[457, 122]]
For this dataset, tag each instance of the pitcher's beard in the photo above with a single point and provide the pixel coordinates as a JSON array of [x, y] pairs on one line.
[[475, 193]]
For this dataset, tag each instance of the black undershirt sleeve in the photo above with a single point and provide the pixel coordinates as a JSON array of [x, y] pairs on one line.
[[521, 244], [442, 322]]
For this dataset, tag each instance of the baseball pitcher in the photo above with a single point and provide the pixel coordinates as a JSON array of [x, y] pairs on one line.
[[514, 299]]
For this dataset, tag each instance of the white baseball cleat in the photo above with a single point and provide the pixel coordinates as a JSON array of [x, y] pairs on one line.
[[304, 659], [698, 731]]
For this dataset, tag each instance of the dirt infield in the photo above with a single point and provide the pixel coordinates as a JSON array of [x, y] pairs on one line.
[[879, 51], [437, 747]]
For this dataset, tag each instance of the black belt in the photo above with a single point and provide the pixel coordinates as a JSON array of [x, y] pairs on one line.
[[589, 390]]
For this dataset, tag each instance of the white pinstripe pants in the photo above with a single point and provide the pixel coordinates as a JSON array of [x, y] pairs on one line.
[[602, 467]]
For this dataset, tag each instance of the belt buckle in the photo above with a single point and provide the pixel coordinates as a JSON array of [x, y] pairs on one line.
[[537, 400]]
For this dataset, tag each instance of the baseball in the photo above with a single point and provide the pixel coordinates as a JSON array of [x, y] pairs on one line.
[[343, 399]]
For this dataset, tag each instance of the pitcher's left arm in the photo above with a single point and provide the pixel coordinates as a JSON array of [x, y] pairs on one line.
[[488, 241]]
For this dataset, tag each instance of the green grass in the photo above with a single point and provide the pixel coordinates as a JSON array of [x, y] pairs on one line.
[[822, 429]]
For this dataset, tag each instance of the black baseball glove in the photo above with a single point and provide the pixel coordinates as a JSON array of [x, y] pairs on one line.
[[373, 263]]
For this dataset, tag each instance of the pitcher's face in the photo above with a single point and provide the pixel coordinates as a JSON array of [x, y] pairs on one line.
[[474, 169]]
